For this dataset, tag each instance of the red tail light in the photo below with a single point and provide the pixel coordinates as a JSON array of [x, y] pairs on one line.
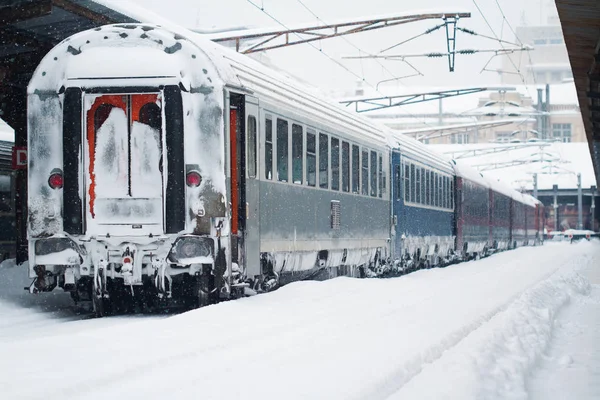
[[56, 181], [193, 179], [127, 260]]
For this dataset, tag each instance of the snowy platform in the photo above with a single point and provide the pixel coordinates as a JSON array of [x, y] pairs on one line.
[[493, 328]]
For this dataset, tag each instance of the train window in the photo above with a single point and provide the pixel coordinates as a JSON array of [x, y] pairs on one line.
[[297, 153], [398, 181], [381, 179], [418, 186], [406, 182], [268, 148], [251, 160], [335, 164], [282, 150], [423, 186], [355, 169], [444, 192], [311, 158], [365, 173], [412, 182], [373, 174], [440, 190], [426, 200], [434, 194], [345, 166], [447, 186], [452, 193], [431, 188], [323, 161]]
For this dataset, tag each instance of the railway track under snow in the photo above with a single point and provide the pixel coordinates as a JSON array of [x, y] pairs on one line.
[[467, 331]]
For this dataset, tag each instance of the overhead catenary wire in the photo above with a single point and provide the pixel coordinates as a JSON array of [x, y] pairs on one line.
[[517, 38], [502, 45], [328, 56], [394, 77]]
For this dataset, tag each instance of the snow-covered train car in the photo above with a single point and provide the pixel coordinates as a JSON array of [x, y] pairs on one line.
[[423, 233], [162, 165], [474, 231]]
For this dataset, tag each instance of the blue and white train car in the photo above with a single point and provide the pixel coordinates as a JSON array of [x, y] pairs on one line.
[[422, 205]]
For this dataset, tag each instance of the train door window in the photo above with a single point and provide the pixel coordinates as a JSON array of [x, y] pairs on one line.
[[412, 182], [373, 174], [335, 164], [398, 181], [432, 188], [282, 150], [365, 172], [452, 193], [423, 186], [447, 186], [406, 182], [311, 158], [417, 198], [268, 148], [297, 153], [345, 166], [426, 185], [436, 199], [323, 161], [381, 179], [439, 192], [442, 192], [251, 157], [355, 169]]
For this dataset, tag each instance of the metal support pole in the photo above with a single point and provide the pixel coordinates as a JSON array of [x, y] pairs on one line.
[[535, 185], [579, 203], [450, 23], [555, 205], [593, 209]]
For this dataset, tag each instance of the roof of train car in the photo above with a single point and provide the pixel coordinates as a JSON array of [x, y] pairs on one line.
[[467, 172]]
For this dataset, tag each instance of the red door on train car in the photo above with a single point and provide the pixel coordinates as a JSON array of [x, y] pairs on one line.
[[124, 157]]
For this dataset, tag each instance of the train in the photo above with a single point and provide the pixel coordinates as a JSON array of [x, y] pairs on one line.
[[165, 169]]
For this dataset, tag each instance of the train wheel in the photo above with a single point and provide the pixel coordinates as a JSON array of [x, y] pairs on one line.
[[102, 306], [205, 288]]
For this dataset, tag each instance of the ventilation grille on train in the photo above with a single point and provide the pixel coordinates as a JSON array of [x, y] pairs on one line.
[[335, 214]]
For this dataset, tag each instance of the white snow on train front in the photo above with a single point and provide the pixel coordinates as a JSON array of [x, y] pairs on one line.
[[126, 164]]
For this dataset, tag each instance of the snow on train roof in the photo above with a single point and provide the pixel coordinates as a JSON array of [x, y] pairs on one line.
[[467, 172]]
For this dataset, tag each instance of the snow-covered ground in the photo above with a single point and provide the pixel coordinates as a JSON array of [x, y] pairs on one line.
[[521, 324]]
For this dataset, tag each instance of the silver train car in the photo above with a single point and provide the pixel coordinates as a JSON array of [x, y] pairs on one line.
[[167, 169]]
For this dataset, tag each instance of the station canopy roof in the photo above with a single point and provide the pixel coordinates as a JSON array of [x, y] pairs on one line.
[[29, 29], [580, 21]]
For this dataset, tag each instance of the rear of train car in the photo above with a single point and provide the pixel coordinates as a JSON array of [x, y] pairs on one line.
[[127, 186]]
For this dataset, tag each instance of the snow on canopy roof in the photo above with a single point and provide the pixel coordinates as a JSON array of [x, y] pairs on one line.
[[560, 93], [555, 164]]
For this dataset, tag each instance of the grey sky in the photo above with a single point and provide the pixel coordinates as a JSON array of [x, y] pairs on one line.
[[306, 62]]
